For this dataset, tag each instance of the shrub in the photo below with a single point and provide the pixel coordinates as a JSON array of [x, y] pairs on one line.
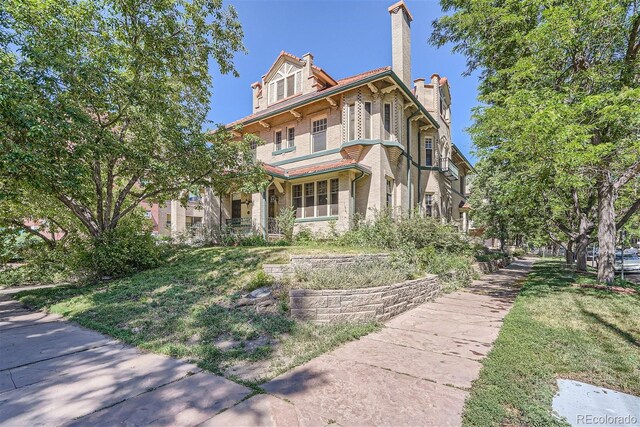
[[454, 271], [285, 221], [304, 235], [119, 252], [259, 280], [411, 230], [43, 265], [358, 275]]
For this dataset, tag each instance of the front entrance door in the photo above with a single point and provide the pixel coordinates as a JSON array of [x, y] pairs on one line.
[[236, 209]]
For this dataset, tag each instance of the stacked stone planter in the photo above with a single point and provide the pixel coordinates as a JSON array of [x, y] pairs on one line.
[[493, 265], [280, 271], [362, 305]]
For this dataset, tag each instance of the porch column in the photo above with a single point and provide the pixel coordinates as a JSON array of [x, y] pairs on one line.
[[465, 223], [263, 214]]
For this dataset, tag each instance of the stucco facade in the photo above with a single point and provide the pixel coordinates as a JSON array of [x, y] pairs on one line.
[[335, 148]]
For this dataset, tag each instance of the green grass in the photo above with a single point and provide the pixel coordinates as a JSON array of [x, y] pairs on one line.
[[556, 330], [184, 308]]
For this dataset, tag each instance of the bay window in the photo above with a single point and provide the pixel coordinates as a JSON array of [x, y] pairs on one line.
[[315, 199]]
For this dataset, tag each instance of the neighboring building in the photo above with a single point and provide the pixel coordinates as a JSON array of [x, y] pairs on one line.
[[337, 147], [173, 219]]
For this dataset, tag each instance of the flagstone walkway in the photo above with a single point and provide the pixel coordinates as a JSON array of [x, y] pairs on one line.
[[415, 371]]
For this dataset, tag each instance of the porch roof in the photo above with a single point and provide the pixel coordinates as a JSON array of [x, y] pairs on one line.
[[318, 168]]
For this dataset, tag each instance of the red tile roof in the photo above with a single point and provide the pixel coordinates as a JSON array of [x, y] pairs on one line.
[[298, 98], [303, 170]]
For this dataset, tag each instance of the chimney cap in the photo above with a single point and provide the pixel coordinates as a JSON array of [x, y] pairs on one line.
[[435, 75], [401, 4], [419, 79]]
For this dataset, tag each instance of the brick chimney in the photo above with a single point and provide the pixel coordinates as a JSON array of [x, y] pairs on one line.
[[401, 41]]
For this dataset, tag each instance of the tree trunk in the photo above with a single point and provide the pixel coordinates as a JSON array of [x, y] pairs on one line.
[[581, 256], [606, 232], [584, 229], [568, 253]]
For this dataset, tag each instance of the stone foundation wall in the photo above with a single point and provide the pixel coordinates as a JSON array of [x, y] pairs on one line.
[[362, 305], [318, 261], [493, 265]]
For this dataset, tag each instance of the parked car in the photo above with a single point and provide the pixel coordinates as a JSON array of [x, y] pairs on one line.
[[631, 263]]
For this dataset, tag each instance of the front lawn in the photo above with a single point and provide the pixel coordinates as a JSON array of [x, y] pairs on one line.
[[556, 329], [188, 309]]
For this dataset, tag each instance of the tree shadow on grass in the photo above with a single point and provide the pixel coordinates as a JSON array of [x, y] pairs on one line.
[[179, 309]]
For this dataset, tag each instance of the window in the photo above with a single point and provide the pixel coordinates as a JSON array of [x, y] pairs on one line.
[[334, 196], [278, 140], [322, 198], [352, 122], [315, 199], [367, 120], [429, 204], [291, 136], [428, 147], [147, 214], [387, 120], [194, 198], [389, 192], [309, 200], [297, 200], [168, 221], [319, 135], [287, 82]]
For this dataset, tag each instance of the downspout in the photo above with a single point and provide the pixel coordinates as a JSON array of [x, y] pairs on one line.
[[353, 196], [263, 211], [419, 171], [409, 158]]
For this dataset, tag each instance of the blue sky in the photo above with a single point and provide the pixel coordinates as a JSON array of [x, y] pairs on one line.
[[345, 38]]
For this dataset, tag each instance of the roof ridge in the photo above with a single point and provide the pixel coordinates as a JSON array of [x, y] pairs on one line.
[[375, 70]]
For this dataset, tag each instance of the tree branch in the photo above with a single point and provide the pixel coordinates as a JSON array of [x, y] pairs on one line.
[[627, 215], [628, 175]]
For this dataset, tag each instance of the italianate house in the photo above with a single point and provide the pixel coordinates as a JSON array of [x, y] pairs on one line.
[[338, 147]]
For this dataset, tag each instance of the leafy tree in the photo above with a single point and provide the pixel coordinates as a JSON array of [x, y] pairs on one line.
[[560, 92], [103, 103]]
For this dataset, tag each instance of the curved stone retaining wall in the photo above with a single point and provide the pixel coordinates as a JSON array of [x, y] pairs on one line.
[[318, 261], [493, 265], [362, 305]]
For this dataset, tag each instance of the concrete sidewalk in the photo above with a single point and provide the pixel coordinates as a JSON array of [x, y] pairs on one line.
[[416, 371], [53, 372]]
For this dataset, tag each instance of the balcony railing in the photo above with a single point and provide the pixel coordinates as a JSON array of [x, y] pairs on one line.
[[239, 222], [449, 169]]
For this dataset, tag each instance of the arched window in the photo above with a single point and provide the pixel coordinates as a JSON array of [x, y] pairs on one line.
[[286, 82]]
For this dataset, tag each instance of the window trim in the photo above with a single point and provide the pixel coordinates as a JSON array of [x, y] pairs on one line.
[[351, 121], [428, 159], [277, 146], [387, 117], [273, 83], [312, 132], [367, 128], [291, 141], [329, 195], [389, 185]]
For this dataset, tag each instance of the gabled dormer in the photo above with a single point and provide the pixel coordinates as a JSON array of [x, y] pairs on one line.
[[289, 76]]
